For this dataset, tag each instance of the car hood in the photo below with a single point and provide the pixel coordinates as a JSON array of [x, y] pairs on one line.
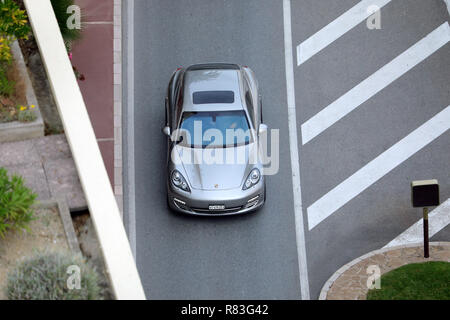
[[205, 174]]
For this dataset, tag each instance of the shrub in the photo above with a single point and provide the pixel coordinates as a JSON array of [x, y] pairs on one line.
[[13, 21], [60, 9], [5, 51], [15, 203], [26, 114], [46, 276], [69, 35], [13, 25]]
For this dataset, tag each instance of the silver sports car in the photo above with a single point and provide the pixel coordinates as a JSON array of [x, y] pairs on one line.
[[213, 125]]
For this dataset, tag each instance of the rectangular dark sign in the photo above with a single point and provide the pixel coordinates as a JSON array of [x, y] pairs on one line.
[[425, 193]]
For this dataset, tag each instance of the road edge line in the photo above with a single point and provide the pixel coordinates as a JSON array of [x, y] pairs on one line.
[[294, 152]]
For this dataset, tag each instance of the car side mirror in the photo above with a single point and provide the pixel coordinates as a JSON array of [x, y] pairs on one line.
[[166, 131], [262, 129]]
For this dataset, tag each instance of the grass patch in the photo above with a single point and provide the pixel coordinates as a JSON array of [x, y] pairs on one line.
[[417, 281]]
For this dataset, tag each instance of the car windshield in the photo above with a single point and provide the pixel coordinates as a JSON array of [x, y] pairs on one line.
[[219, 129]]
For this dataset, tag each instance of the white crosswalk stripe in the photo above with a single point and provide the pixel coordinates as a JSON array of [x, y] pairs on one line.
[[375, 83], [439, 218], [377, 168], [336, 29]]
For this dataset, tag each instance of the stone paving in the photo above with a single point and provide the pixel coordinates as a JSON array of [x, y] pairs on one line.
[[350, 282], [47, 167]]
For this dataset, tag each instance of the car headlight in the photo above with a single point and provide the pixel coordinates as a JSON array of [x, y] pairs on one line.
[[179, 181], [252, 179]]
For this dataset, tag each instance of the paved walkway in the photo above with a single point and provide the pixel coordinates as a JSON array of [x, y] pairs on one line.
[[350, 282], [93, 57], [97, 55], [47, 167]]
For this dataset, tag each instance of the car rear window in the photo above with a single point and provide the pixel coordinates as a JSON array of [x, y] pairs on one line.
[[204, 97]]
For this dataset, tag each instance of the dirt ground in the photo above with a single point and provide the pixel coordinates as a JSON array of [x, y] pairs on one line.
[[41, 85], [8, 105], [46, 234], [90, 247]]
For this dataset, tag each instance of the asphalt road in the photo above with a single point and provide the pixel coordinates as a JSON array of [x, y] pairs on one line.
[[380, 213], [255, 256], [244, 257]]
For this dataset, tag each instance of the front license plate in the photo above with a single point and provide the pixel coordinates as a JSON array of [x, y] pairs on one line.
[[217, 207]]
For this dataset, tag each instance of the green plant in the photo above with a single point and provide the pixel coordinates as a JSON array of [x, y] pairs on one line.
[[46, 277], [15, 203], [60, 8], [5, 51], [13, 25], [26, 114], [13, 21]]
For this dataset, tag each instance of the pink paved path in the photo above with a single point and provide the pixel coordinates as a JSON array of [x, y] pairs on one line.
[[93, 56]]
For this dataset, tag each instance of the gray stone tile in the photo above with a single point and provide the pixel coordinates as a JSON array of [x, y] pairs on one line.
[[63, 180], [47, 167], [53, 147], [16, 153], [34, 177]]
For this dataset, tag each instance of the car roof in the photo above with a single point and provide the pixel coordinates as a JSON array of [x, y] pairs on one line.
[[212, 78]]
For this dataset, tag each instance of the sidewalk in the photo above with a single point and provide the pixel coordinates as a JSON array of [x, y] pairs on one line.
[[97, 55], [47, 167], [350, 281]]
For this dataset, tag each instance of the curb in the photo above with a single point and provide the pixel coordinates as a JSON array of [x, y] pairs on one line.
[[17, 131], [66, 219], [327, 286], [117, 47]]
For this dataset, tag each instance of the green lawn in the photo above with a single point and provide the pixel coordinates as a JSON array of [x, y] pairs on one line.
[[418, 281]]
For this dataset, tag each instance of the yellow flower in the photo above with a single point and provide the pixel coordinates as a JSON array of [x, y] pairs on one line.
[[32, 106], [22, 108]]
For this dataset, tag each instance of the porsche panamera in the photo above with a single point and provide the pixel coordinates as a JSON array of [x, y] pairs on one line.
[[213, 127]]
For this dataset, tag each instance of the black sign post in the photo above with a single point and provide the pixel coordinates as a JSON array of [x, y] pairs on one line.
[[424, 194], [426, 247]]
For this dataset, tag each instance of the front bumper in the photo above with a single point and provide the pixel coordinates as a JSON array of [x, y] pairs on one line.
[[235, 201]]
